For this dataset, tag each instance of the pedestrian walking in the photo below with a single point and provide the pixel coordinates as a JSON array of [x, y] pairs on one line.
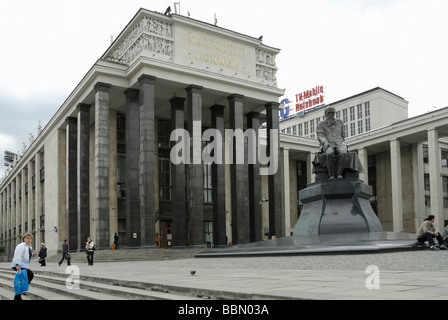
[[116, 241], [208, 240], [90, 247], [22, 257], [42, 255], [65, 253]]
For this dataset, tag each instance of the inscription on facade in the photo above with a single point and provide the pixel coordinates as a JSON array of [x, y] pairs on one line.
[[154, 37], [216, 51]]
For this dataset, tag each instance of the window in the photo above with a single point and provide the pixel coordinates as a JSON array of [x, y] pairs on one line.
[[352, 129], [207, 182], [444, 158], [306, 128], [360, 127], [344, 116], [367, 124], [427, 182], [352, 113], [288, 130], [425, 155], [359, 107], [367, 109], [121, 175], [164, 134], [345, 130], [312, 126], [300, 129], [164, 179], [294, 130]]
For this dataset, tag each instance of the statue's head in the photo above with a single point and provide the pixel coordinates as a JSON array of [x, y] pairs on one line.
[[329, 110]]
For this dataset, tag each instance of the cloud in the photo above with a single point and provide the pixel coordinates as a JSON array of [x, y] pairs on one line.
[[20, 116]]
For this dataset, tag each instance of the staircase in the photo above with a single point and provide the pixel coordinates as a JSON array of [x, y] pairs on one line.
[[48, 285]]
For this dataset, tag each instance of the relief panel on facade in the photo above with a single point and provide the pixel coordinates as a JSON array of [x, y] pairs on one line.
[[149, 35]]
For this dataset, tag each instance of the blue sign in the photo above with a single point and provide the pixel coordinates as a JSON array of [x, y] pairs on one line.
[[285, 112]]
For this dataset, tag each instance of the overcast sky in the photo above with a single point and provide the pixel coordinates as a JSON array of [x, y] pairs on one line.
[[348, 46]]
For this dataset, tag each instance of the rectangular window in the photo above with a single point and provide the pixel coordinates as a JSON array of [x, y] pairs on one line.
[[300, 129], [360, 127], [427, 182], [352, 129], [312, 126], [306, 128], [344, 116], [367, 124], [207, 182], [444, 159], [425, 155], [427, 201], [164, 134], [359, 106], [164, 179], [352, 113], [294, 130], [367, 109]]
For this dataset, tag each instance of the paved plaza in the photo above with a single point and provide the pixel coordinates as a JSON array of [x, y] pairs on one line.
[[411, 274]]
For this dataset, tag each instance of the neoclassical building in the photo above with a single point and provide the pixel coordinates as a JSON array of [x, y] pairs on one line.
[[103, 164]]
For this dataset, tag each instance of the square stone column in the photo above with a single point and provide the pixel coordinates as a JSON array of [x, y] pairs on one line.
[[435, 180], [239, 177], [147, 161], [397, 193], [276, 218], [83, 175], [178, 180], [71, 180], [38, 194], [219, 182], [102, 146], [195, 169], [256, 228], [132, 167]]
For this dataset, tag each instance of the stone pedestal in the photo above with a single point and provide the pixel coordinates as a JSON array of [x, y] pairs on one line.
[[336, 206]]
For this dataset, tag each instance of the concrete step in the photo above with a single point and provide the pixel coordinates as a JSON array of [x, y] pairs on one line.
[[41, 289], [148, 254], [52, 286]]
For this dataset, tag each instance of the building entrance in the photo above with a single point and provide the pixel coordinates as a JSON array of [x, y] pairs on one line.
[[165, 234]]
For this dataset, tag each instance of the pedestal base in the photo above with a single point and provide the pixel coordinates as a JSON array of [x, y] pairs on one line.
[[337, 206]]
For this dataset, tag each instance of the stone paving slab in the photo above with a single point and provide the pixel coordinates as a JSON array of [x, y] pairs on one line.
[[401, 275]]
